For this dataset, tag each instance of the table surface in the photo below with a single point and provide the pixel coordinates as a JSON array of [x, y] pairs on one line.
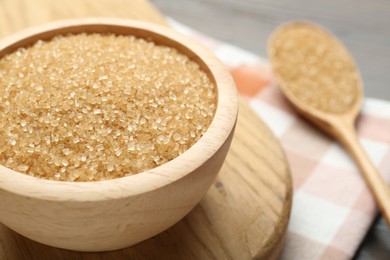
[[362, 25]]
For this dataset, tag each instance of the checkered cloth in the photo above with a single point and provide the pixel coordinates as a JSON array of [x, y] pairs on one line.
[[332, 206]]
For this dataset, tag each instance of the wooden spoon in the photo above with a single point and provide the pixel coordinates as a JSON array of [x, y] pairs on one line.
[[319, 77]]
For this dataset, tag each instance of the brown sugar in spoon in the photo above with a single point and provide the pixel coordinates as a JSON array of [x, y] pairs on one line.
[[320, 78]]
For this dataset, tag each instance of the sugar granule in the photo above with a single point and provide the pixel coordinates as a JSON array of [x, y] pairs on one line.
[[318, 71], [92, 107]]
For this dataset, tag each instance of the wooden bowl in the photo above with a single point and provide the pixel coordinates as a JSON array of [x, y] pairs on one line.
[[113, 214]]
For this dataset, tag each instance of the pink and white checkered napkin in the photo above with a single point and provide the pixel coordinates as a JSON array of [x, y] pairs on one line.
[[332, 205]]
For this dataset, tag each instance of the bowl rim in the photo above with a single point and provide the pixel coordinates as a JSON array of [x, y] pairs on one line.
[[216, 135]]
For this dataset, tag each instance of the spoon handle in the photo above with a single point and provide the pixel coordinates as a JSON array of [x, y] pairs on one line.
[[381, 191]]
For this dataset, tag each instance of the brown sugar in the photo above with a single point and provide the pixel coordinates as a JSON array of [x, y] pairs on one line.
[[318, 71], [91, 107]]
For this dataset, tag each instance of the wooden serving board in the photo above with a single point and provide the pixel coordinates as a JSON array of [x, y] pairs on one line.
[[245, 213]]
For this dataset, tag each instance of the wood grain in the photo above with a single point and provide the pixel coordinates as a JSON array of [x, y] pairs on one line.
[[245, 213], [17, 15]]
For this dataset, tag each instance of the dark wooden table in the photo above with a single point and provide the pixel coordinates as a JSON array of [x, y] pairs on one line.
[[363, 26]]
